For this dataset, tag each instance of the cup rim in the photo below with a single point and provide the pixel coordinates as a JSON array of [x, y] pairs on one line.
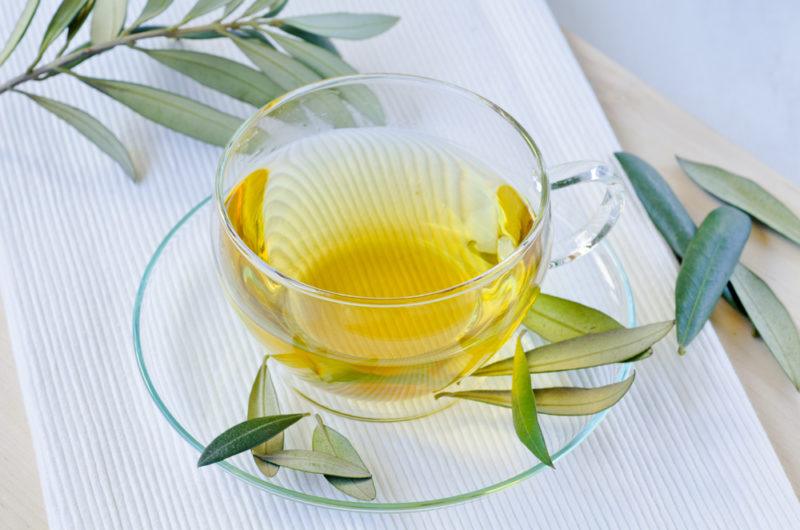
[[397, 301]]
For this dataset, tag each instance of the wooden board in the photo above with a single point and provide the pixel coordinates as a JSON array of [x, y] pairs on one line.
[[646, 124]]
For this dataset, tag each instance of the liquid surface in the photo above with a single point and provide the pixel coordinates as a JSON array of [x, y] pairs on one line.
[[383, 214]]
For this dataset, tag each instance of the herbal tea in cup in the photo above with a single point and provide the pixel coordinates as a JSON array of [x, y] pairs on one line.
[[382, 257]]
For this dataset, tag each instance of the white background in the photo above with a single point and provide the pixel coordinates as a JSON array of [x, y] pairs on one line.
[[733, 63]]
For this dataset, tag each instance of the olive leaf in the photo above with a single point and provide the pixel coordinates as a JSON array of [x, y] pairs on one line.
[[771, 319], [316, 462], [19, 30], [326, 440], [65, 13], [245, 436], [77, 22], [312, 38], [523, 409], [91, 128], [326, 64], [586, 351], [272, 7], [555, 401], [176, 112], [152, 9], [229, 77], [710, 259], [107, 19], [557, 319], [665, 210], [343, 25], [285, 71], [231, 6], [263, 401], [201, 8], [745, 195]]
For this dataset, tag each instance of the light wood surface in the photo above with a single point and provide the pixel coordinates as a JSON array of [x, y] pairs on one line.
[[646, 124]]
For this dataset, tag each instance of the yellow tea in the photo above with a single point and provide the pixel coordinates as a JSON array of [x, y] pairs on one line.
[[387, 228]]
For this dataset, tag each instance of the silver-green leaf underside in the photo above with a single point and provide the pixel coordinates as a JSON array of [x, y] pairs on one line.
[[555, 401], [771, 319], [229, 77], [270, 8], [19, 30], [596, 349], [152, 9], [178, 113], [285, 71], [264, 402], [107, 19], [523, 409], [327, 440], [353, 26], [745, 195], [316, 462], [91, 128], [203, 7]]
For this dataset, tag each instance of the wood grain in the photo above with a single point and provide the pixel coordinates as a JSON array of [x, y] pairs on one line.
[[646, 124]]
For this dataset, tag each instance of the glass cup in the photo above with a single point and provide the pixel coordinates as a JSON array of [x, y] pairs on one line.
[[382, 358]]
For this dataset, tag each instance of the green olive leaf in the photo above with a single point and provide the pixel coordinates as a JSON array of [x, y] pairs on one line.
[[710, 259], [312, 38], [353, 26], [201, 8], [264, 402], [19, 30], [555, 401], [523, 409], [745, 195], [327, 440], [77, 22], [66, 12], [107, 19], [152, 9], [176, 112], [272, 7], [231, 6], [771, 319], [246, 435], [556, 319], [285, 71], [90, 128], [586, 351], [316, 462], [229, 77]]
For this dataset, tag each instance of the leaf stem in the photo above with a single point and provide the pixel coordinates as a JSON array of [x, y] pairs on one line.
[[52, 68]]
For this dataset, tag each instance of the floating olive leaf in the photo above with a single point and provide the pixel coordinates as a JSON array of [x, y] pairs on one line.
[[595, 349], [264, 402], [89, 127], [771, 319], [709, 261], [327, 440], [245, 436], [745, 195], [665, 210], [557, 319], [19, 30], [229, 77], [555, 401], [273, 7], [65, 13], [327, 64], [201, 8], [316, 462], [151, 9], [343, 25], [523, 409], [178, 113], [107, 19]]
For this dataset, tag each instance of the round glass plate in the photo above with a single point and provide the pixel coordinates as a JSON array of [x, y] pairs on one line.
[[198, 362]]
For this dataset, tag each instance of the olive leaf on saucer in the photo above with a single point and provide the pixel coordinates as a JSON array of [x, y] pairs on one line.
[[327, 440], [264, 402], [523, 408]]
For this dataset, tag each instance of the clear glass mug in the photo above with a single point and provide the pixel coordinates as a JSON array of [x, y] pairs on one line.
[[427, 341]]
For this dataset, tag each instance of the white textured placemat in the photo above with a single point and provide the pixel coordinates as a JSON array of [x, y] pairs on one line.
[[683, 450]]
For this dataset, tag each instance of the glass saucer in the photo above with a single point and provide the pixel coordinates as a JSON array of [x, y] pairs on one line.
[[198, 362]]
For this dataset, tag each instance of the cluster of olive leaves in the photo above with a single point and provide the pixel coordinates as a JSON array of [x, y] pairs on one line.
[[579, 337], [287, 52], [710, 254]]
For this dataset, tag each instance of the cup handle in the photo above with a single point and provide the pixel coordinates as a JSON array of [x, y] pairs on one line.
[[603, 219]]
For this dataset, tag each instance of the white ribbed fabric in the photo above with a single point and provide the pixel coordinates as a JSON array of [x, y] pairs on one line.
[[684, 450]]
